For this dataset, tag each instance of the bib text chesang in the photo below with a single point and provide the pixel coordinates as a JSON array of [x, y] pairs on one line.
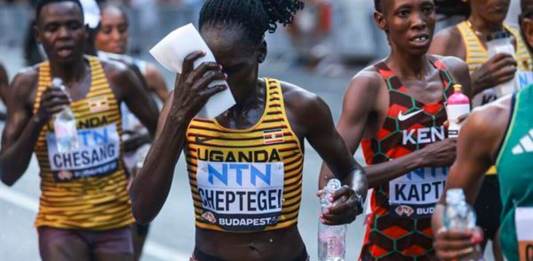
[[97, 154]]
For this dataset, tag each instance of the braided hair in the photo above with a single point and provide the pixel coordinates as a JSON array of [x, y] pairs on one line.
[[378, 6], [255, 16]]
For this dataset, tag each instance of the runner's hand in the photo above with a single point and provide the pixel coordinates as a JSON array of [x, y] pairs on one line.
[[440, 153], [52, 101], [191, 90], [455, 244], [499, 69], [347, 204]]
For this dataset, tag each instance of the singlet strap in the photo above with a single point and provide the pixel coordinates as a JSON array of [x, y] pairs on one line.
[[394, 82]]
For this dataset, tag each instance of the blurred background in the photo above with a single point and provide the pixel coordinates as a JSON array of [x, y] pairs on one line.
[[328, 43]]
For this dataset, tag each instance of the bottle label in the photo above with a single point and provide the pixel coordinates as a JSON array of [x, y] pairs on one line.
[[455, 111], [241, 196], [414, 194], [97, 154], [524, 222]]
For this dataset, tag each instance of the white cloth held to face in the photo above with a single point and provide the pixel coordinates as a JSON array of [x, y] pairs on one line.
[[171, 51]]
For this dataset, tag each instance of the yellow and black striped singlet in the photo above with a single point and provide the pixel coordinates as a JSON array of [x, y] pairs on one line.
[[477, 55], [84, 188], [246, 180]]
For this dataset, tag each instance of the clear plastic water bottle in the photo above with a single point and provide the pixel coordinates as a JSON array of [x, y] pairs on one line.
[[65, 125], [502, 42], [331, 239], [460, 216]]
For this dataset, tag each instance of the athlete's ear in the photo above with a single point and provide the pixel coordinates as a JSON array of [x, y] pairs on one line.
[[36, 33], [379, 18], [262, 51]]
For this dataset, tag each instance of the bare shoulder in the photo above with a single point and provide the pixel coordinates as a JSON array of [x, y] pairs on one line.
[[487, 124], [300, 99], [114, 68], [367, 80], [24, 84], [448, 41], [457, 66]]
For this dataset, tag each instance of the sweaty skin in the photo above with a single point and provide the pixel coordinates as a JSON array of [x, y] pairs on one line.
[[308, 115], [487, 17], [366, 100], [477, 149]]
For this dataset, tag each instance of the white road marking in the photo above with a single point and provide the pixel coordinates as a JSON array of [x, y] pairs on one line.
[[151, 248]]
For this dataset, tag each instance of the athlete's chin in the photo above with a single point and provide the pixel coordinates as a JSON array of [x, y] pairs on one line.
[[418, 50]]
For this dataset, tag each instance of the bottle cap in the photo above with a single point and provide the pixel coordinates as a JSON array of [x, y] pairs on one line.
[[333, 185], [457, 87], [57, 83], [454, 195]]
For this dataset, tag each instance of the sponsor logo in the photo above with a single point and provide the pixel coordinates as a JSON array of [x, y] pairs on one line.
[[241, 196], [209, 217], [404, 117], [525, 145], [202, 139], [423, 135], [403, 210]]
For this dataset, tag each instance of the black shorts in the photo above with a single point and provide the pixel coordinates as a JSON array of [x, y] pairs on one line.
[[489, 206]]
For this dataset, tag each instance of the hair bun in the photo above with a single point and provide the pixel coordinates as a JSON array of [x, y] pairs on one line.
[[281, 11]]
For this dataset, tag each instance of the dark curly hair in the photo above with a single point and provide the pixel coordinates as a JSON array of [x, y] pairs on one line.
[[42, 3], [256, 16], [377, 6]]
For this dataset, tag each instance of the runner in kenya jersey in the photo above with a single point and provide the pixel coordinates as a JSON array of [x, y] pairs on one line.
[[397, 109]]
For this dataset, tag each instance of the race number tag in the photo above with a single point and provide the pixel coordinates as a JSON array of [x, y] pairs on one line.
[[524, 223], [97, 154], [524, 79], [415, 193], [241, 196]]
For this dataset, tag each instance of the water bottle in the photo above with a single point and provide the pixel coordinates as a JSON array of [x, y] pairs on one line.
[[65, 125], [458, 105], [501, 42], [460, 216], [331, 239]]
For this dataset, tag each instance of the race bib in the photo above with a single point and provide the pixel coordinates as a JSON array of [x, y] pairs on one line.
[[415, 193], [97, 154], [241, 196], [524, 223], [524, 79]]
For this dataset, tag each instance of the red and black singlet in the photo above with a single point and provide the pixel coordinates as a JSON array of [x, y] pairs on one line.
[[399, 227]]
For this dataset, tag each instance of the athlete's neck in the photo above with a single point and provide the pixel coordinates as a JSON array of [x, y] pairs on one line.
[[246, 97], [408, 66], [483, 27], [69, 72]]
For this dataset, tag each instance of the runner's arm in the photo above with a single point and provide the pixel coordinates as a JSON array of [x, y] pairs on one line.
[[359, 102], [151, 186], [321, 133], [138, 100], [156, 82], [22, 127], [477, 147]]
